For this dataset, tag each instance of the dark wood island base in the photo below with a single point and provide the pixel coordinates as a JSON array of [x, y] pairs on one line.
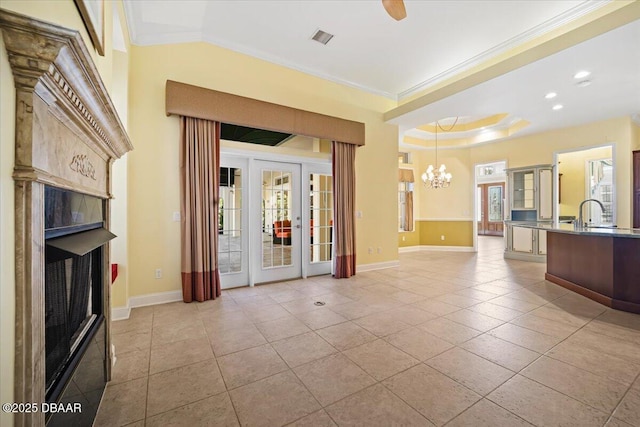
[[599, 266]]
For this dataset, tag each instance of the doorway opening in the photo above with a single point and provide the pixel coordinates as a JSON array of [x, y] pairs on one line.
[[275, 213], [490, 198]]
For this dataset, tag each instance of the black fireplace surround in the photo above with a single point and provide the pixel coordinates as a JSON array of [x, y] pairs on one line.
[[75, 330]]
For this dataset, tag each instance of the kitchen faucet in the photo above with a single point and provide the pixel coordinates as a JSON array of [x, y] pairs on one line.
[[581, 223]]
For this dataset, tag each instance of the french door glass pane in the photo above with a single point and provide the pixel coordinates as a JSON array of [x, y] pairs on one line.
[[495, 204], [230, 221], [321, 217], [276, 218]]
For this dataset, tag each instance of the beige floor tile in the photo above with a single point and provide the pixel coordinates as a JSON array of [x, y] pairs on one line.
[[477, 294], [333, 378], [504, 353], [411, 315], [525, 337], [614, 422], [546, 326], [515, 304], [380, 359], [548, 290], [448, 330], [596, 362], [629, 408], [472, 319], [262, 313], [470, 370], [346, 335], [487, 414], [354, 310], [375, 406], [179, 353], [122, 403], [285, 327], [250, 365], [273, 401], [598, 392], [496, 311], [436, 307], [608, 345], [318, 319], [173, 316], [132, 341], [133, 324], [498, 290], [434, 395], [179, 331], [211, 412], [552, 313], [527, 295], [418, 343], [317, 419], [458, 300], [232, 340], [303, 305], [613, 330], [381, 324], [220, 321], [129, 366], [579, 305], [407, 296], [303, 348], [181, 386], [543, 406]]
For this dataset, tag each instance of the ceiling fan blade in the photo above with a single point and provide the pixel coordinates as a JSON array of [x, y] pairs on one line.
[[395, 9]]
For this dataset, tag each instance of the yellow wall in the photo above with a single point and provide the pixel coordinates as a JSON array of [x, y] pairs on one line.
[[573, 168], [64, 13], [153, 166]]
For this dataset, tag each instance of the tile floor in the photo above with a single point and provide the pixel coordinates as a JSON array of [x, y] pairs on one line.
[[456, 339]]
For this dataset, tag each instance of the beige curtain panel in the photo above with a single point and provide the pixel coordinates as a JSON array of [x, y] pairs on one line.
[[408, 211], [344, 202], [405, 175], [199, 194]]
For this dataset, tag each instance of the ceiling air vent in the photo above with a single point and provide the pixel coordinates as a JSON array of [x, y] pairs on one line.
[[322, 37]]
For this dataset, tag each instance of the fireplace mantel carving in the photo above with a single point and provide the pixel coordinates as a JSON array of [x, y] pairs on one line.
[[64, 117]]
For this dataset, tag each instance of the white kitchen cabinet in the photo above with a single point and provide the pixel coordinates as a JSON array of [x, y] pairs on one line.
[[542, 242], [522, 239]]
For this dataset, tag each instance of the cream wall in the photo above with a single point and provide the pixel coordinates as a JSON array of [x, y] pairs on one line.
[[153, 166], [64, 13]]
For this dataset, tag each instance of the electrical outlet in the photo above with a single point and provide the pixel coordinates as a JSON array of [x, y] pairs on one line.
[[358, 214], [442, 237], [176, 217], [158, 273], [379, 250], [370, 250]]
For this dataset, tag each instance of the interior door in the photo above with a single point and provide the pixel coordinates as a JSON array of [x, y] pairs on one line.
[[233, 240], [277, 223], [491, 209], [318, 220]]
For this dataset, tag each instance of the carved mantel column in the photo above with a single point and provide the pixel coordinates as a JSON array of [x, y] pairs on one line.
[[67, 135]]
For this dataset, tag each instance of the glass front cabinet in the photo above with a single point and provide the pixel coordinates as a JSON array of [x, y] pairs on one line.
[[530, 200]]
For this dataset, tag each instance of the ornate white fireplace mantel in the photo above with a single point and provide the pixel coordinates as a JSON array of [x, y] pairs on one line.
[[67, 135]]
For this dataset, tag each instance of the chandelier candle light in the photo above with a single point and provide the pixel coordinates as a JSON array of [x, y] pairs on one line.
[[438, 178]]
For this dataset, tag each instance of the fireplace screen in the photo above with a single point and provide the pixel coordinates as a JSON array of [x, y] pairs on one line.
[[69, 304]]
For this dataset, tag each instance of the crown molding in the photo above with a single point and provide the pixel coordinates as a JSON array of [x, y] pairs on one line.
[[537, 31]]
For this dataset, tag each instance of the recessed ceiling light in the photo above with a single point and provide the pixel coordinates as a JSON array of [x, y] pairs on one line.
[[551, 95], [558, 107], [581, 74], [583, 83], [322, 36]]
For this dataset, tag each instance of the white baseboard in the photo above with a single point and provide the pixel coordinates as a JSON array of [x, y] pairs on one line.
[[405, 249], [436, 248], [157, 298], [122, 313], [377, 266]]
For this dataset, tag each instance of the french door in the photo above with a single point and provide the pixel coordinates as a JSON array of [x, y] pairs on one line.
[[275, 220], [491, 209]]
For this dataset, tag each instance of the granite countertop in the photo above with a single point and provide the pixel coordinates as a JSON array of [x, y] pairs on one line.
[[569, 229]]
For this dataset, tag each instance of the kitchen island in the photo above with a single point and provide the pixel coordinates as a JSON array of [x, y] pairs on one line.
[[602, 264]]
